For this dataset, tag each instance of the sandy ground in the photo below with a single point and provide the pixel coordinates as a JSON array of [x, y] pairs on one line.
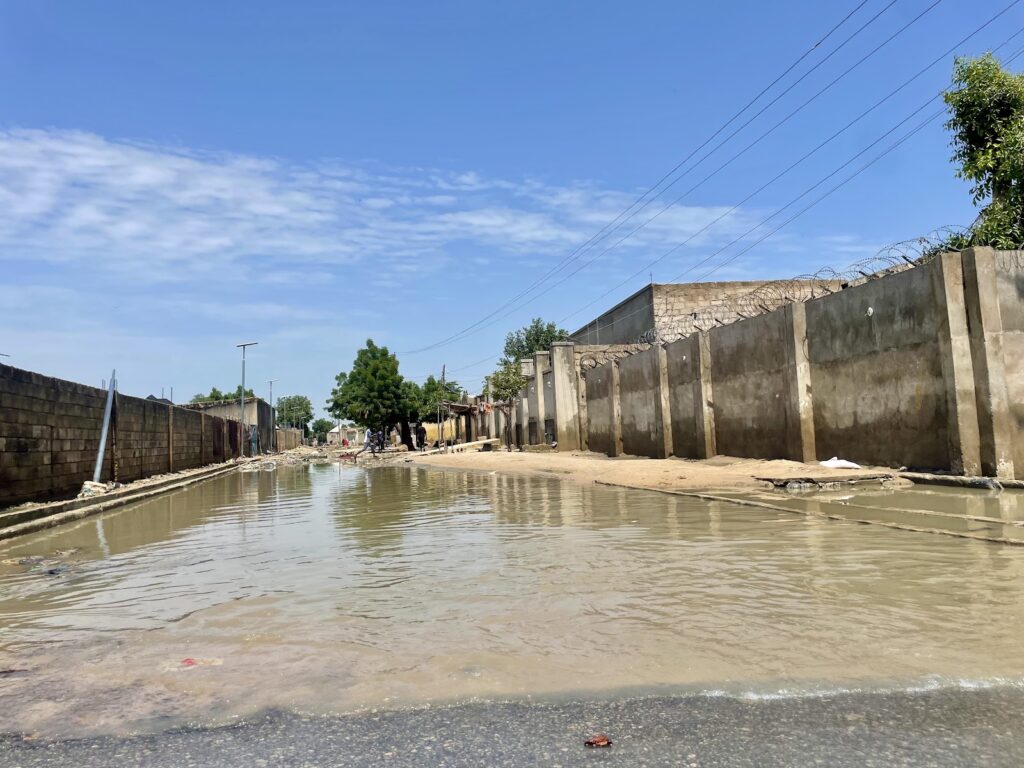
[[719, 473]]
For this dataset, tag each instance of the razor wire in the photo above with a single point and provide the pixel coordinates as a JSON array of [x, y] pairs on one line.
[[775, 294]]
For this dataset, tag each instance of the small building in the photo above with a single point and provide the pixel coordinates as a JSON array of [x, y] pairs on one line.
[[355, 435], [258, 413]]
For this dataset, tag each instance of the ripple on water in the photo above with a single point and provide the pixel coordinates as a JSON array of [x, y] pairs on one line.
[[333, 589]]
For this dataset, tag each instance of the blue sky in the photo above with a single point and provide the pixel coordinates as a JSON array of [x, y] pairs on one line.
[[176, 178]]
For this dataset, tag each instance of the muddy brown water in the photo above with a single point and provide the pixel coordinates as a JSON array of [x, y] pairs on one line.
[[334, 589]]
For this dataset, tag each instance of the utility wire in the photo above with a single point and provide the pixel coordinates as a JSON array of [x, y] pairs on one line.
[[863, 168], [861, 116], [482, 325], [614, 223]]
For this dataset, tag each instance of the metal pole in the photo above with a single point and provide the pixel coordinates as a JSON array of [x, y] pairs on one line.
[[241, 407], [441, 445], [273, 416], [106, 426]]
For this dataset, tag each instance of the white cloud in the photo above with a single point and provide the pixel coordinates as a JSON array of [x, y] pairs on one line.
[[166, 213]]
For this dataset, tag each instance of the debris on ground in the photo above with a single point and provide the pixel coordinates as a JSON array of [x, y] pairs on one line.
[[836, 463], [191, 663], [89, 488], [598, 740]]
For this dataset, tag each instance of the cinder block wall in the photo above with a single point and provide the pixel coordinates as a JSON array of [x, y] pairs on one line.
[[50, 434]]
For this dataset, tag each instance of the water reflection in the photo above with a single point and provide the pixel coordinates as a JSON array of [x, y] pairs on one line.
[[331, 587]]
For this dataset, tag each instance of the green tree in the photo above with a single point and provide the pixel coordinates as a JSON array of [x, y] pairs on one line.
[[320, 429], [504, 385], [986, 108], [295, 410], [217, 396], [433, 395], [371, 393], [535, 337]]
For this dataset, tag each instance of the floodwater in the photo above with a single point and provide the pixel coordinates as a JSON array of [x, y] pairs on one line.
[[337, 589]]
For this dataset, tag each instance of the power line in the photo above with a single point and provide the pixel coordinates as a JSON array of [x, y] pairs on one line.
[[803, 194], [831, 138], [482, 325], [614, 223]]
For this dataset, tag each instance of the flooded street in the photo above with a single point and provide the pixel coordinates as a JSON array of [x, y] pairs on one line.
[[321, 589]]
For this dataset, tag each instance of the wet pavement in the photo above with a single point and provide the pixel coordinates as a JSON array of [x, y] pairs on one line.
[[951, 729]]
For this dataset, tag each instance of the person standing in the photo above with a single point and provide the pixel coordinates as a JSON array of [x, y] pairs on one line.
[[421, 437]]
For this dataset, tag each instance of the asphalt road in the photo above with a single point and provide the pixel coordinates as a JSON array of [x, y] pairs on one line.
[[939, 728]]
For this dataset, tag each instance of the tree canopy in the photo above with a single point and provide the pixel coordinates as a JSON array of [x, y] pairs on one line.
[[295, 410], [320, 429], [371, 393], [535, 337], [216, 395], [986, 108], [432, 394]]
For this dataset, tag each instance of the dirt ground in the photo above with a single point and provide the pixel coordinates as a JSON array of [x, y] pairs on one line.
[[719, 473]]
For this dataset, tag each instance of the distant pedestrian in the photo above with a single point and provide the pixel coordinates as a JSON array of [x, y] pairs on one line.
[[421, 437]]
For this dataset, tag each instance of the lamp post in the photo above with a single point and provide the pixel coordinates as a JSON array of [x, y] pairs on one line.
[[273, 417], [241, 403]]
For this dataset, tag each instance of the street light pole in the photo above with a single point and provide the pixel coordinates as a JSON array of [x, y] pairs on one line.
[[273, 416], [241, 404]]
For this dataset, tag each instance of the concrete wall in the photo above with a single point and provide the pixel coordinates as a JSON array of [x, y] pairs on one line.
[[642, 401], [922, 368], [1009, 275], [661, 306], [257, 411], [50, 434], [292, 438], [690, 402], [749, 363], [602, 409], [877, 367], [621, 324]]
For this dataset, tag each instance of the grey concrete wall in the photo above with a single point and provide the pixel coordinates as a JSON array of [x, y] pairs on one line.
[[690, 399], [750, 365], [50, 433], [642, 404], [1009, 276], [621, 324], [877, 372], [601, 410]]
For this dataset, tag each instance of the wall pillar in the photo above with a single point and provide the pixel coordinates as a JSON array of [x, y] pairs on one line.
[[664, 401], [616, 396], [702, 396], [800, 411], [985, 331], [566, 394], [526, 368], [170, 438], [541, 362], [957, 368]]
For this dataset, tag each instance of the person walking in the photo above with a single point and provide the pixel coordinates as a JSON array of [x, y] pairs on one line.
[[421, 437]]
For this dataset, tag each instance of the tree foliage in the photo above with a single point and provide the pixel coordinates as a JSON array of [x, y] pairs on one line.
[[295, 410], [217, 396], [535, 337], [320, 429], [504, 385], [432, 395], [371, 393], [987, 121]]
